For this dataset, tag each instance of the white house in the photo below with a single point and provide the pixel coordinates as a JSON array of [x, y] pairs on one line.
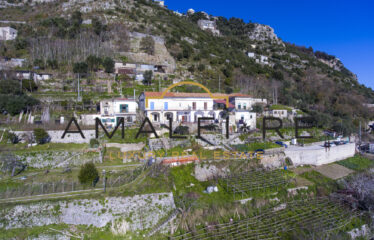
[[251, 54], [180, 107], [16, 62], [279, 113], [190, 11], [264, 60], [178, 13], [208, 25], [244, 101], [7, 33], [249, 118], [113, 109], [24, 74], [159, 2], [41, 77]]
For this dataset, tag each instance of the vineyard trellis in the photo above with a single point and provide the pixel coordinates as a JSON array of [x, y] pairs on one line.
[[322, 215], [253, 181], [63, 186]]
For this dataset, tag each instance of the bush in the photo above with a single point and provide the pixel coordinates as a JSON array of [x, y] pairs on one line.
[[108, 64], [88, 174], [12, 137], [94, 143], [41, 136], [182, 130], [258, 108], [147, 44]]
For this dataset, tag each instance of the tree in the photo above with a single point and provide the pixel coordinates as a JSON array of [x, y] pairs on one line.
[[52, 63], [9, 163], [148, 75], [12, 137], [97, 26], [88, 174], [94, 143], [147, 44], [80, 67], [278, 75], [75, 24], [201, 67], [93, 62], [258, 108], [108, 64], [41, 136]]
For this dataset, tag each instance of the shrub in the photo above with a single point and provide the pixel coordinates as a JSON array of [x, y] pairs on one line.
[[108, 64], [258, 108], [88, 174], [12, 137], [94, 143], [41, 136], [147, 44]]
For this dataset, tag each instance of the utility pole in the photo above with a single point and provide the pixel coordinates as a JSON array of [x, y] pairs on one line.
[[104, 179], [79, 93], [219, 83], [134, 93], [120, 86]]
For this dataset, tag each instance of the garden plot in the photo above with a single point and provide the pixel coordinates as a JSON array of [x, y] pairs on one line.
[[257, 181], [320, 215]]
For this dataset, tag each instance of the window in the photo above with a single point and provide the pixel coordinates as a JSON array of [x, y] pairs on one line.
[[244, 106], [166, 107], [205, 106], [124, 108], [194, 105], [152, 106], [239, 106]]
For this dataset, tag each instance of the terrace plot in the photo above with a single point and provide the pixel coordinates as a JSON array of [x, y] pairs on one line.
[[320, 215], [257, 181]]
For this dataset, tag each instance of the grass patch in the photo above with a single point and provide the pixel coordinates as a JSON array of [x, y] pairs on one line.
[[323, 185], [357, 163], [130, 136], [254, 146]]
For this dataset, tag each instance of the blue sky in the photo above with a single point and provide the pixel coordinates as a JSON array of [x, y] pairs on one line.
[[341, 28]]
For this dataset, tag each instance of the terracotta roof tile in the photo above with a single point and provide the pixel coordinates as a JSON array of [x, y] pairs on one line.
[[183, 95], [239, 95]]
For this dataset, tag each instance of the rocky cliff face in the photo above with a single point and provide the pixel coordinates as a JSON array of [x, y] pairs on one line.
[[262, 32]]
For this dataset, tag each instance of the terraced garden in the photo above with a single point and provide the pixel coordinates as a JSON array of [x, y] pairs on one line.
[[321, 215], [257, 181]]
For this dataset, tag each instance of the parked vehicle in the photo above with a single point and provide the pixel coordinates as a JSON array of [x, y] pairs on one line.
[[282, 144], [260, 151]]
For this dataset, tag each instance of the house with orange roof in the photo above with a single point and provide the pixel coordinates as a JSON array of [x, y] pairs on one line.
[[180, 107]]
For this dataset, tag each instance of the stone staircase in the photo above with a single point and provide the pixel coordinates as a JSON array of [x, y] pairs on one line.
[[159, 226]]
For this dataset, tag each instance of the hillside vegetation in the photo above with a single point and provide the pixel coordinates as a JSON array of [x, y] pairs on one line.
[[56, 38]]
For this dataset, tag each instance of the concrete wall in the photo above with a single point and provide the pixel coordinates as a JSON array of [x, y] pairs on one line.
[[69, 137], [318, 155]]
